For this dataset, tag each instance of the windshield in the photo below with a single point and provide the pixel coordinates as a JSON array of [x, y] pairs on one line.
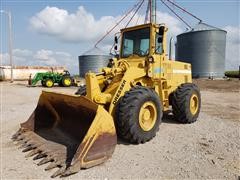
[[136, 42]]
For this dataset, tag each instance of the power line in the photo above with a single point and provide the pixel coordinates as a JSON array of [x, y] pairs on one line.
[[128, 12], [176, 14], [184, 10]]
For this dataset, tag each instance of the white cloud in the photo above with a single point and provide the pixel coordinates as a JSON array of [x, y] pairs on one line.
[[22, 52], [4, 59], [173, 24], [78, 27], [43, 54], [42, 57], [232, 48], [45, 57], [19, 57], [82, 26]]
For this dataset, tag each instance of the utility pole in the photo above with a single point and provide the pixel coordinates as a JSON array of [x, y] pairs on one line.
[[151, 12], [153, 7], [8, 13]]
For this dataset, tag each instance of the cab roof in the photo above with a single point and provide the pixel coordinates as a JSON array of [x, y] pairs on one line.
[[141, 26]]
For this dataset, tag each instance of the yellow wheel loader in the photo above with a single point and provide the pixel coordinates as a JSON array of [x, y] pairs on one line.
[[127, 99]]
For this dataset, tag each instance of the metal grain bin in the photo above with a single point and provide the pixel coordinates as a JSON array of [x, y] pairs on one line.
[[204, 47], [92, 60]]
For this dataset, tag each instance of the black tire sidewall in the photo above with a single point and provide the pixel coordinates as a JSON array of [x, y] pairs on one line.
[[149, 133], [181, 103], [188, 112], [128, 110], [43, 82]]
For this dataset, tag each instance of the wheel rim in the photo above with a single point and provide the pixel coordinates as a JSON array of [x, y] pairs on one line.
[[194, 104], [67, 81], [49, 83], [147, 116]]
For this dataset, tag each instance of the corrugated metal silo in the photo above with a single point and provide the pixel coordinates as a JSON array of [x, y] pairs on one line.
[[92, 60], [204, 47]]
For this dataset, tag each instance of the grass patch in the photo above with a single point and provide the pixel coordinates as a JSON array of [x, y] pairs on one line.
[[232, 74]]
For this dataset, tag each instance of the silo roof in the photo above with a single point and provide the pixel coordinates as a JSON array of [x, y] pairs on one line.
[[204, 26]]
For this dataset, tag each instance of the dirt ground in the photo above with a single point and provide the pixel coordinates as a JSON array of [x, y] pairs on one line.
[[208, 148]]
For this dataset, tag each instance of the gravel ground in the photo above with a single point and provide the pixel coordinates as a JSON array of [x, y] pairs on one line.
[[208, 148]]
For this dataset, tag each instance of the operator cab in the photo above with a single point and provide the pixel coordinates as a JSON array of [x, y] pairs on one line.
[[136, 41]]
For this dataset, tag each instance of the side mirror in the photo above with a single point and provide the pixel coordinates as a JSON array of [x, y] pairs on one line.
[[115, 47], [116, 40]]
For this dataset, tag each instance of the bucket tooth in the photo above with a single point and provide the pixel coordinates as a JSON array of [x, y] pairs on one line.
[[44, 161], [70, 170], [39, 156], [67, 133], [33, 152], [24, 145], [28, 149], [58, 172], [15, 136], [20, 137], [51, 166], [20, 142]]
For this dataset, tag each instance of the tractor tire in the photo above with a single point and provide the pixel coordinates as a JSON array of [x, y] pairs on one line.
[[66, 81], [49, 83], [186, 103], [81, 91], [60, 84], [139, 114], [43, 83]]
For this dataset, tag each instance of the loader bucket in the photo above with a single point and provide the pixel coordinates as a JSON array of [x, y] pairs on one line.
[[68, 132]]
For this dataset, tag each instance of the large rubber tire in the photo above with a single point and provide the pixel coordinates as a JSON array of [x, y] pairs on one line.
[[43, 82], [182, 101], [81, 91], [66, 81], [60, 84], [128, 118], [49, 83]]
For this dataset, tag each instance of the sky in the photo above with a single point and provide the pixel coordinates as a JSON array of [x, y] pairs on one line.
[[57, 32]]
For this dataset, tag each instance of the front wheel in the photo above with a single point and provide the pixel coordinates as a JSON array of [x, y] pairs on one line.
[[66, 81], [186, 103], [49, 83], [139, 114]]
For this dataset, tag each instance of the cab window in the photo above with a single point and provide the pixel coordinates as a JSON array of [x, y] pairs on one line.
[[136, 42]]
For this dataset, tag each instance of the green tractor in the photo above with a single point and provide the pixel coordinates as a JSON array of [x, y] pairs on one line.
[[48, 79]]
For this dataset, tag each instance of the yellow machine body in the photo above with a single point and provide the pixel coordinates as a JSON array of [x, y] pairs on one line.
[[74, 132], [154, 71]]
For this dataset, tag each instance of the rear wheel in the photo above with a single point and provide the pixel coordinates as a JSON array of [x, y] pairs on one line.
[[139, 115], [49, 83], [66, 81], [186, 103]]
